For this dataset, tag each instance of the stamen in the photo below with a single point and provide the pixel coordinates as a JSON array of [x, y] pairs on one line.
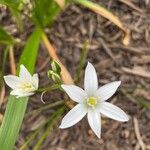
[[92, 101], [27, 87]]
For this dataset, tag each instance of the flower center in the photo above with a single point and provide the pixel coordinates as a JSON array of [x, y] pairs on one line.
[[92, 101], [27, 87]]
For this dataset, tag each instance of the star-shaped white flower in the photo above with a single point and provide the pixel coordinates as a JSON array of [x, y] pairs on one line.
[[24, 85], [92, 101]]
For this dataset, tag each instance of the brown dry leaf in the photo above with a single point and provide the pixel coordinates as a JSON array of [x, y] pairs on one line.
[[139, 71], [61, 3], [107, 14]]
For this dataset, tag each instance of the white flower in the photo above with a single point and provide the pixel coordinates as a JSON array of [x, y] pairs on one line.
[[92, 101], [24, 85]]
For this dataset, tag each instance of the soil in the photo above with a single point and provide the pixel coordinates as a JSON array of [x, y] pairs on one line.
[[111, 59]]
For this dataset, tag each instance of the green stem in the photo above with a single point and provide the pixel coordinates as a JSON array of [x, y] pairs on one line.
[[53, 120], [37, 111], [83, 56], [23, 147], [48, 89]]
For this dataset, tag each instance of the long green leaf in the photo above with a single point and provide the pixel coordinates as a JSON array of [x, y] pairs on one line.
[[15, 109]]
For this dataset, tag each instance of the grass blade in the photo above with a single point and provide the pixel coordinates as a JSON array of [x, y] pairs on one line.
[[15, 108]]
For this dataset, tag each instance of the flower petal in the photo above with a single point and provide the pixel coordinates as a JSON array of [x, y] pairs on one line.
[[12, 81], [24, 73], [18, 93], [95, 122], [73, 116], [35, 80], [113, 112], [90, 80], [75, 93], [106, 91]]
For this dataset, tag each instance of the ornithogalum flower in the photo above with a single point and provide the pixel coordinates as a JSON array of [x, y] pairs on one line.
[[24, 85], [92, 101]]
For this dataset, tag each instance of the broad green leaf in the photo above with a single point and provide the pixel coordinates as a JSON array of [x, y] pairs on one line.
[[5, 38], [15, 108]]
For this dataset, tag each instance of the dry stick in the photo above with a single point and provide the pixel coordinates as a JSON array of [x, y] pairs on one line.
[[12, 60], [137, 132], [107, 49], [2, 95], [130, 4], [136, 72], [66, 77]]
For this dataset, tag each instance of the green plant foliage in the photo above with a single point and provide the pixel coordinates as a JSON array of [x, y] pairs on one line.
[[13, 6], [44, 12], [15, 109], [5, 38]]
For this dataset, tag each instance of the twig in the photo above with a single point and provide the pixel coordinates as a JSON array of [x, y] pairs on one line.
[[107, 49], [1, 118], [2, 94], [130, 4], [137, 72], [137, 133], [12, 60], [130, 49]]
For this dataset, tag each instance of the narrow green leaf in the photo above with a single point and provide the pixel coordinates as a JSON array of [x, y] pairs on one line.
[[5, 38], [44, 17], [15, 108]]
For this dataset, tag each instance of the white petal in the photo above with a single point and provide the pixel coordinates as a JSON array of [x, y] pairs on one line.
[[35, 80], [108, 90], [75, 93], [90, 80], [73, 116], [24, 73], [113, 112], [12, 81], [18, 93], [94, 120]]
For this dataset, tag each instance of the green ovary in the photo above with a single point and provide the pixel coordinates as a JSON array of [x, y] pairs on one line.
[[92, 101]]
